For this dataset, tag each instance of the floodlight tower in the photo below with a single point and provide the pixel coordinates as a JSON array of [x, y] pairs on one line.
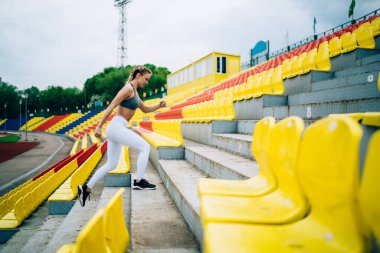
[[122, 38]]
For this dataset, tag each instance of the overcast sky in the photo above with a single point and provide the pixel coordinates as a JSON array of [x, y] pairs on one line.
[[64, 42]]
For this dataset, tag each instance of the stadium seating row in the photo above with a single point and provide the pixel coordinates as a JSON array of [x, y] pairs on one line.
[[32, 122], [161, 133], [17, 205], [313, 204], [267, 78], [124, 164], [69, 189], [105, 232]]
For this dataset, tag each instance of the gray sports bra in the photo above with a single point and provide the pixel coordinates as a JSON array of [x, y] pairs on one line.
[[131, 103]]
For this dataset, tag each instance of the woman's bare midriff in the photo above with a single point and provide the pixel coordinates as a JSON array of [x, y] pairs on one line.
[[125, 112]]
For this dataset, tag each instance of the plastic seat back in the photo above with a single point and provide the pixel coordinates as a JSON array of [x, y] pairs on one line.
[[265, 82], [286, 67], [260, 143], [92, 236], [365, 37], [322, 59], [328, 172], [349, 42], [369, 189], [277, 82], [335, 46], [283, 154], [297, 65], [309, 61], [116, 232]]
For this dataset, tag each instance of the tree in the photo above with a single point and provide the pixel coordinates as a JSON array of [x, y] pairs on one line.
[[9, 95], [106, 85]]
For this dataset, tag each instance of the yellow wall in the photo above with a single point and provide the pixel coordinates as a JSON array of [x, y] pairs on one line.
[[233, 67]]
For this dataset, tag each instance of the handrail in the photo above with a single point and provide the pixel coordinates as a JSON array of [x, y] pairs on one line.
[[314, 37]]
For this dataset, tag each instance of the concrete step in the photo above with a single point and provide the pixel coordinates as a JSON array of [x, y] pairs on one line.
[[320, 110], [181, 180], [156, 223], [240, 144], [374, 66], [369, 60], [202, 132], [39, 221], [351, 59], [369, 77], [39, 229], [78, 216], [252, 109], [218, 163], [363, 91], [278, 112], [246, 126]]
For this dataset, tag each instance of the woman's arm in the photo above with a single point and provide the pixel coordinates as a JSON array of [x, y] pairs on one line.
[[147, 109], [121, 95]]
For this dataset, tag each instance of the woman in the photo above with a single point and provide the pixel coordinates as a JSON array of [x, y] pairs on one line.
[[118, 134]]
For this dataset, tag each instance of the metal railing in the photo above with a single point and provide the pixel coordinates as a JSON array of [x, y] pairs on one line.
[[314, 37]]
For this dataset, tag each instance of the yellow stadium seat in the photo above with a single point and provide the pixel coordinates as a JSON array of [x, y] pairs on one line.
[[240, 92], [355, 116], [91, 238], [116, 232], [324, 46], [266, 82], [376, 26], [74, 149], [308, 63], [349, 42], [14, 218], [322, 59], [286, 68], [276, 81], [248, 88], [335, 46], [365, 37], [369, 188], [235, 91], [297, 65], [261, 184], [371, 119], [229, 109], [329, 177], [284, 204], [123, 165]]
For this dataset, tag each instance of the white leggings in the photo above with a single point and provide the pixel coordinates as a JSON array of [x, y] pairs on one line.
[[118, 134]]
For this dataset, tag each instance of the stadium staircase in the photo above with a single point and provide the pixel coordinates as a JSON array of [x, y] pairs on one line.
[[285, 152]]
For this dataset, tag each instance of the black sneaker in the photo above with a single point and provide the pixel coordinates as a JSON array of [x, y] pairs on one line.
[[83, 194], [143, 185]]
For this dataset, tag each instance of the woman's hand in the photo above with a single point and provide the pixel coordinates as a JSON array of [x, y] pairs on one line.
[[162, 103], [98, 131]]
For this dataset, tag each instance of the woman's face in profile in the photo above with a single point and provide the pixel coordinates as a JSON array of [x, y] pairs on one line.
[[142, 80]]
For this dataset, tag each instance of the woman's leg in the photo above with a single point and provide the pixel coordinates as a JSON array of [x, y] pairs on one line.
[[129, 138], [113, 155]]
